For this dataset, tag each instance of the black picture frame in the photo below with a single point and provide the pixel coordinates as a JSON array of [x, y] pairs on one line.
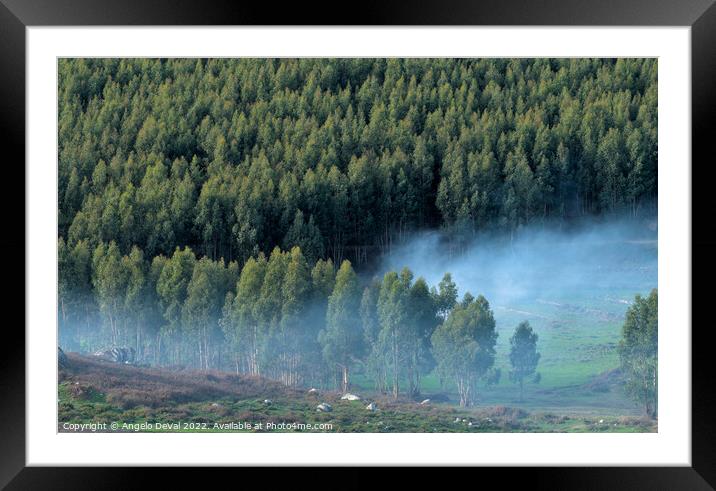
[[700, 15]]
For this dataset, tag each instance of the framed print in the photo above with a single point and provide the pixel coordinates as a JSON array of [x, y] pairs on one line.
[[463, 241]]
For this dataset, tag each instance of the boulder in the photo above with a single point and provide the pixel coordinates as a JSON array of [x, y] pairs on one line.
[[268, 402], [324, 408], [426, 401], [372, 407], [313, 390], [350, 397], [117, 355]]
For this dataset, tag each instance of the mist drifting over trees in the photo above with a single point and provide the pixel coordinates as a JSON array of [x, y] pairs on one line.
[[545, 262], [296, 218]]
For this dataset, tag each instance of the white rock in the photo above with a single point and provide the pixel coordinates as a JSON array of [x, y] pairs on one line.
[[350, 397], [371, 407], [457, 420], [470, 423], [215, 404], [313, 390], [425, 402], [601, 421], [268, 402], [324, 408]]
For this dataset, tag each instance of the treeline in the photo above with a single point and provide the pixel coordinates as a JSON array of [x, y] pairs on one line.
[[639, 352], [344, 157], [278, 316]]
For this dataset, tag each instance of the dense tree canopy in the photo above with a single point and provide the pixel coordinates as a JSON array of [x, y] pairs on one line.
[[342, 157]]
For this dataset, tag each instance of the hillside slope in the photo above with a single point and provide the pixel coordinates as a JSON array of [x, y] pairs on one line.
[[152, 399]]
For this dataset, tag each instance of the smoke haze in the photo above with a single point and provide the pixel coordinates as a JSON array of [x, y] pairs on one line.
[[609, 260]]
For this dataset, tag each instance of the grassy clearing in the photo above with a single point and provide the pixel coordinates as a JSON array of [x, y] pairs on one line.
[[578, 338]]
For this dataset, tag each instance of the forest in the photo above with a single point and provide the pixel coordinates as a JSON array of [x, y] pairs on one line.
[[231, 213]]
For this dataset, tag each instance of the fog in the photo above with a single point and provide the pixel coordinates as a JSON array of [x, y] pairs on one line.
[[612, 260]]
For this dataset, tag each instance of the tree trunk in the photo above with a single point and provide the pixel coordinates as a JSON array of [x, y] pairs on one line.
[[396, 388], [345, 378], [138, 342]]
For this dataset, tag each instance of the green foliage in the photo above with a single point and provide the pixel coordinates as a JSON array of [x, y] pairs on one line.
[[464, 345], [306, 236], [172, 286], [445, 297], [342, 338], [202, 309], [638, 352], [393, 315], [523, 354], [341, 156], [241, 320], [177, 177], [110, 281]]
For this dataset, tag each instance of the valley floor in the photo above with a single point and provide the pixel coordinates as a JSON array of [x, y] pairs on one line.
[[95, 395]]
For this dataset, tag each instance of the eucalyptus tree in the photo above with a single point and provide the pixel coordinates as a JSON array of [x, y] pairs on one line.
[[172, 284], [464, 345], [639, 352], [375, 360], [296, 289], [242, 322], [393, 304], [109, 279], [342, 338]]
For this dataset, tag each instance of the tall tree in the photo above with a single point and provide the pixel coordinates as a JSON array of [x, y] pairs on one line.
[[523, 354], [342, 337], [242, 321], [421, 324], [136, 295], [110, 283], [202, 309], [445, 297], [393, 314], [464, 345], [171, 287], [296, 302], [638, 352]]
